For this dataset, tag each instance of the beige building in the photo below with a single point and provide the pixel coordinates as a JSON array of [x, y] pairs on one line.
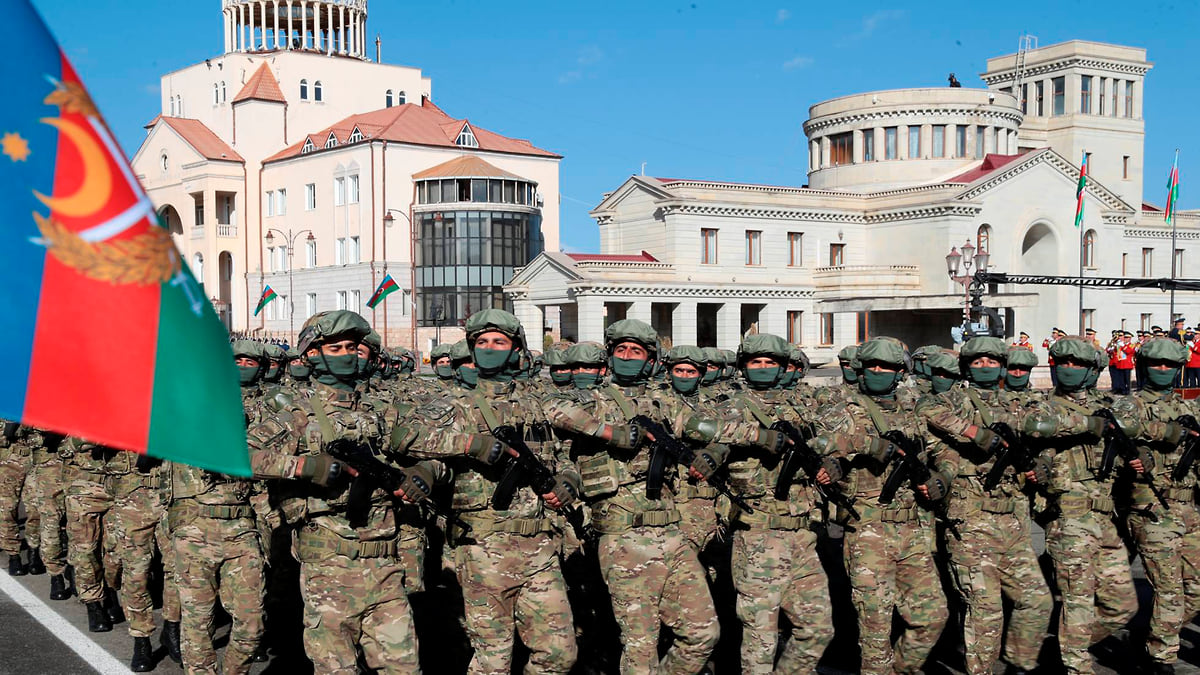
[[896, 179], [297, 159]]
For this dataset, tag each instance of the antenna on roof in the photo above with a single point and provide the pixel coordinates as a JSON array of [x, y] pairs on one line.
[[643, 168]]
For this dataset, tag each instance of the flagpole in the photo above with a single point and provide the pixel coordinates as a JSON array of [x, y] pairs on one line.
[[1083, 189], [1170, 190]]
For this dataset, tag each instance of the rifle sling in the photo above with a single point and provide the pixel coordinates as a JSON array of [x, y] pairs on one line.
[[623, 403], [984, 412], [757, 412], [876, 414], [323, 423]]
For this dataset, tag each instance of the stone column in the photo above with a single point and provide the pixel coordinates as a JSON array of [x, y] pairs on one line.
[[303, 24], [729, 328], [262, 25], [241, 28], [1137, 97], [640, 310], [902, 141], [856, 145], [825, 152], [291, 26], [329, 30], [683, 323], [533, 320], [927, 141], [772, 318], [342, 27], [591, 318]]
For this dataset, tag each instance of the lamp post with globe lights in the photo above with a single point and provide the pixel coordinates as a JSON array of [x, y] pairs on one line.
[[965, 260], [290, 246]]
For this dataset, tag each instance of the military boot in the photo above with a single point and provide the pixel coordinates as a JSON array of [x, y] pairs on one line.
[[1160, 668], [143, 656], [36, 566], [58, 587], [98, 621], [16, 568], [112, 605], [170, 641]]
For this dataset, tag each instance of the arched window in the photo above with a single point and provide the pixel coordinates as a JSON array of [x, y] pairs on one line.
[[303, 90], [983, 239], [402, 99], [388, 98], [223, 98], [198, 268], [1089, 248], [216, 93], [317, 90], [163, 161]]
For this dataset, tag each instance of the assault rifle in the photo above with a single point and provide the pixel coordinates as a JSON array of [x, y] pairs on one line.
[[373, 473], [667, 446], [800, 456], [523, 468], [1117, 444], [910, 468], [1189, 448], [1016, 454]]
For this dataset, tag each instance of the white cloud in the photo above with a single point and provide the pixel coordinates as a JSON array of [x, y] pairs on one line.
[[570, 76], [782, 15], [873, 22], [797, 63], [588, 56]]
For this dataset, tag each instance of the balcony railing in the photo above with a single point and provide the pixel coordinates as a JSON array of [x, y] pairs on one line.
[[226, 230], [849, 281]]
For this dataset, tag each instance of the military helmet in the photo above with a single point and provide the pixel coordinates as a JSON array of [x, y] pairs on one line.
[[798, 357], [374, 341], [983, 346], [586, 354], [631, 330], [274, 352], [495, 320], [1164, 349], [338, 324], [884, 349], [439, 351], [713, 356], [763, 344], [1019, 357], [688, 354], [849, 355], [459, 352], [248, 349], [944, 360], [556, 358], [1074, 347], [293, 354]]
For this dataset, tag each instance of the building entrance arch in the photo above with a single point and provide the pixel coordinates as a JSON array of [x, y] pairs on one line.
[[1040, 255]]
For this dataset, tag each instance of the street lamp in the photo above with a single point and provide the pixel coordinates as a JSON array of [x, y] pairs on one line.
[[290, 238], [966, 260], [388, 221]]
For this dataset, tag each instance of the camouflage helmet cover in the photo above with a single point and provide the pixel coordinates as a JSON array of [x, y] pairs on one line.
[[1019, 357], [495, 320], [764, 344], [586, 353], [326, 326], [631, 330], [696, 356], [1164, 349], [887, 350]]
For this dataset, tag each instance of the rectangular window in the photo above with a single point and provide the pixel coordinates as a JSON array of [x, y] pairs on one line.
[[310, 304], [281, 205], [1103, 97], [889, 143], [795, 327], [869, 145], [1085, 94], [826, 329], [405, 302], [837, 255], [354, 255], [1025, 98], [339, 191], [1125, 167], [914, 142], [939, 140], [310, 254], [753, 247], [1129, 98], [341, 299], [708, 242], [1060, 95], [352, 189], [271, 258], [339, 252], [479, 190], [863, 324], [841, 149], [980, 137], [355, 300], [270, 204], [1147, 321], [1177, 272], [1040, 89], [310, 196], [795, 249], [1147, 262], [1124, 264], [960, 141], [1112, 109], [1087, 316]]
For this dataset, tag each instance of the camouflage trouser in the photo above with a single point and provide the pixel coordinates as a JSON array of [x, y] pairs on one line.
[[13, 471], [994, 556], [352, 603], [515, 583], [411, 556], [776, 570], [1092, 570], [890, 566], [654, 578], [218, 558], [697, 520], [49, 501], [170, 591], [1170, 550]]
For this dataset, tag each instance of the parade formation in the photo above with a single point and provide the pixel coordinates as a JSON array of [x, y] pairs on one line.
[[638, 509]]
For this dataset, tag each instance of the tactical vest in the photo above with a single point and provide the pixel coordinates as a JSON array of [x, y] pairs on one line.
[[754, 472]]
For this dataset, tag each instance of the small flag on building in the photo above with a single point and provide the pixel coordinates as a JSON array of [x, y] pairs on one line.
[[1172, 191], [1083, 174], [107, 335], [267, 296], [386, 288]]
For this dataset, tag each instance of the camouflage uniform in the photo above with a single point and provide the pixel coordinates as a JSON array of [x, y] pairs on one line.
[[889, 550], [651, 570], [48, 500], [15, 462], [991, 552]]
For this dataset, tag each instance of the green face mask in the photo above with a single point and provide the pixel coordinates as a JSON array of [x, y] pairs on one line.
[[301, 371], [585, 380], [1092, 378], [491, 360], [560, 377], [628, 369], [467, 377], [335, 370], [942, 384], [444, 372], [685, 385], [1016, 383], [986, 378], [787, 379], [1071, 378], [849, 374], [711, 376], [272, 372], [1161, 379], [366, 367], [762, 378], [879, 383], [247, 375]]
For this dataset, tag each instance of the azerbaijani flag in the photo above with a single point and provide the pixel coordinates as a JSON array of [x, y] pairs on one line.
[[106, 334], [267, 296], [1083, 172], [386, 288], [1172, 191]]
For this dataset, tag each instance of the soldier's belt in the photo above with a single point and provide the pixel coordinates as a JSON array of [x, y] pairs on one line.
[[763, 521], [15, 450], [908, 515], [526, 527], [321, 544], [688, 491], [616, 522], [993, 505], [1142, 495], [1073, 507]]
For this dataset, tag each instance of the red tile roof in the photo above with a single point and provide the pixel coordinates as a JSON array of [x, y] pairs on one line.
[[417, 125], [262, 86], [151, 123], [608, 257], [466, 166], [202, 139], [1147, 206], [990, 163]]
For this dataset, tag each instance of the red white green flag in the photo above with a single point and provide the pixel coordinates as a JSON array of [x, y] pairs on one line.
[[1172, 191], [386, 288], [1083, 175], [267, 296]]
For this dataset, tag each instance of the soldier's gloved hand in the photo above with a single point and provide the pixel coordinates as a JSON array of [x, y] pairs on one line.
[[485, 448], [1097, 425], [1040, 473], [772, 441], [935, 488], [988, 441], [708, 460], [1144, 464], [882, 449], [833, 469], [417, 484], [627, 436], [564, 494], [1174, 433], [321, 469]]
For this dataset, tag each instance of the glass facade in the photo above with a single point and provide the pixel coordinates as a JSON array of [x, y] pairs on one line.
[[464, 258]]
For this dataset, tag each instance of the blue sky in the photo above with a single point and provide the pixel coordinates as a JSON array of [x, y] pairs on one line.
[[704, 89]]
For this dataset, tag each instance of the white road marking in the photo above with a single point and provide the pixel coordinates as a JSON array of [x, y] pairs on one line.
[[78, 641]]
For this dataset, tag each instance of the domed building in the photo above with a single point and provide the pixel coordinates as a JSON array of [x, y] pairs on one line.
[[897, 179]]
